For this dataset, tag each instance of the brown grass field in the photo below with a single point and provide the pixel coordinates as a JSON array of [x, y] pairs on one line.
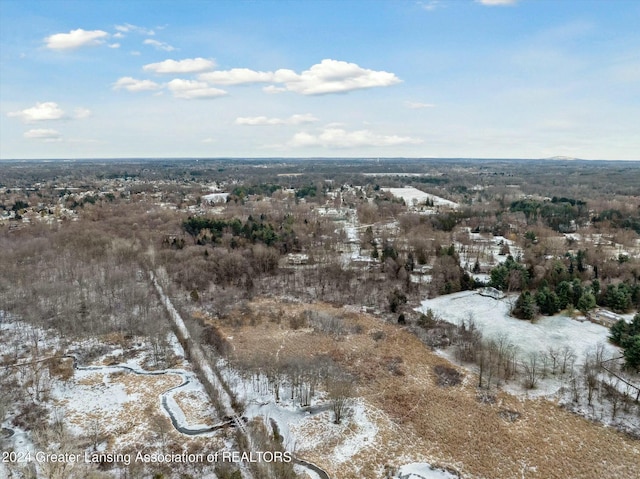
[[140, 424], [419, 421]]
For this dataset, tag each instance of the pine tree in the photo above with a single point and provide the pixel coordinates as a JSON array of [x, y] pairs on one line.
[[632, 353], [525, 307]]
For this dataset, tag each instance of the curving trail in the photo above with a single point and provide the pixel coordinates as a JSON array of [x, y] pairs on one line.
[[186, 376], [312, 467]]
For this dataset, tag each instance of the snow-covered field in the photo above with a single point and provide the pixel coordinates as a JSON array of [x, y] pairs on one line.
[[413, 196], [492, 317], [215, 197]]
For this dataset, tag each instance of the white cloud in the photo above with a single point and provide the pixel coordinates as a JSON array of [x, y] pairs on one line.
[[191, 89], [114, 45], [42, 111], [340, 138], [328, 76], [493, 3], [263, 120], [80, 113], [127, 27], [333, 76], [132, 84], [209, 140], [43, 134], [416, 105], [258, 121], [75, 39], [237, 76], [159, 45], [299, 119], [188, 65], [118, 35]]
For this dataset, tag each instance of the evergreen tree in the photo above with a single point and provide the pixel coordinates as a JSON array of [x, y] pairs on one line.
[[476, 266], [580, 257], [632, 353], [595, 287], [411, 263], [525, 307], [565, 294], [618, 332], [634, 326], [499, 276], [577, 291], [547, 301], [586, 302]]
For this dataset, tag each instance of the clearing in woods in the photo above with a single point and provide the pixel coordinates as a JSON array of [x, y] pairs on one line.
[[414, 419]]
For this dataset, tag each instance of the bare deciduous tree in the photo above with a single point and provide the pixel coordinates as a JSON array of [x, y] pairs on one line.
[[532, 371], [340, 394]]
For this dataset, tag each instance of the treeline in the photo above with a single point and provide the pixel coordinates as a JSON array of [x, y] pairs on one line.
[[552, 285], [264, 189], [576, 295], [211, 231], [627, 336], [560, 214]]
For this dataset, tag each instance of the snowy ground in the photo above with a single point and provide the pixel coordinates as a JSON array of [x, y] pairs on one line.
[[111, 401], [215, 197], [492, 317], [352, 250], [413, 197], [421, 470], [311, 429]]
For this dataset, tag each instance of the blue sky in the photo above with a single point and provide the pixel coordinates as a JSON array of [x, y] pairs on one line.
[[368, 78]]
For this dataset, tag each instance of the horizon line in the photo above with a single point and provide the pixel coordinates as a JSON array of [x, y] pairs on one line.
[[367, 158]]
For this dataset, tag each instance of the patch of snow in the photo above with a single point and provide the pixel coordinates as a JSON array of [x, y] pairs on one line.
[[308, 473], [175, 345], [366, 430], [422, 470], [215, 198], [413, 197], [420, 278], [493, 319], [481, 277]]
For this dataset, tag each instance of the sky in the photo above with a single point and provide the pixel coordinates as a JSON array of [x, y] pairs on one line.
[[330, 78]]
